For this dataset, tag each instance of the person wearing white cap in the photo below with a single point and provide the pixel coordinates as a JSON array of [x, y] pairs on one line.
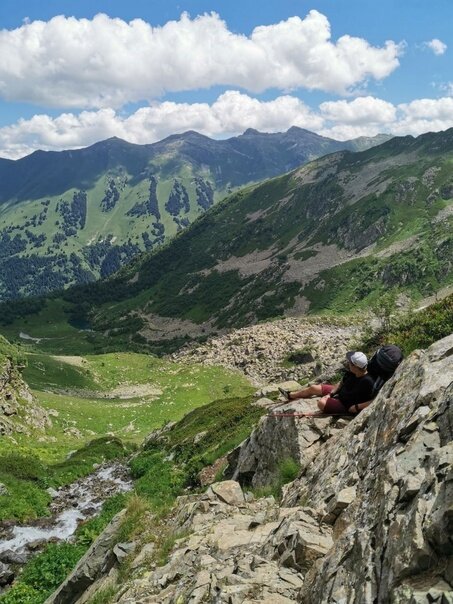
[[351, 395]]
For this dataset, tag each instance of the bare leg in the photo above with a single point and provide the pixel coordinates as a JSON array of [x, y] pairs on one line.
[[322, 403], [314, 390]]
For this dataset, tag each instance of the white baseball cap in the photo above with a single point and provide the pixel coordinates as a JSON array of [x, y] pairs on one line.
[[358, 359]]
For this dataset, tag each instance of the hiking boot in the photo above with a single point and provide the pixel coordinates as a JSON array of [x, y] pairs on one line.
[[284, 393]]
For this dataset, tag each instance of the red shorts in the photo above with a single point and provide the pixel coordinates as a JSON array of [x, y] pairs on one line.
[[333, 405]]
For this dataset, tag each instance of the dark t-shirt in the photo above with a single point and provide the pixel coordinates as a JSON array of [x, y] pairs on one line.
[[355, 390]]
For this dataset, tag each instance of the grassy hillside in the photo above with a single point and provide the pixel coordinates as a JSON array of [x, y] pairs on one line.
[[75, 216], [412, 330], [161, 472], [9, 351], [329, 237], [121, 396], [213, 414]]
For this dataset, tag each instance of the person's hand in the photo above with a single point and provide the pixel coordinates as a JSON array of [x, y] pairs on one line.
[[354, 409], [325, 398]]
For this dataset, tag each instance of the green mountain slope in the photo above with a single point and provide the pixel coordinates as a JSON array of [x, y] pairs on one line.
[[75, 216], [332, 235]]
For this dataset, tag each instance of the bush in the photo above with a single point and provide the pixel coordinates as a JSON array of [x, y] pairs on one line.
[[300, 357], [423, 328], [288, 470], [43, 574], [416, 329], [160, 481], [22, 594], [23, 467], [91, 529]]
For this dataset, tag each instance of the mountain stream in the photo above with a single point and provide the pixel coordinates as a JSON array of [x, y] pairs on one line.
[[70, 505]]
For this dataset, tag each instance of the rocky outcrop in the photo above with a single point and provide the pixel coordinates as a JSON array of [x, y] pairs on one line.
[[369, 520], [283, 434], [98, 560], [19, 412], [394, 539], [220, 560], [262, 351]]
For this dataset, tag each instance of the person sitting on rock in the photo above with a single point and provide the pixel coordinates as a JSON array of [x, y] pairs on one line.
[[351, 395]]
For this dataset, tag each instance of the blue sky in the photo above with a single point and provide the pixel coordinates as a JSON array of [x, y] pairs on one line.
[[342, 68]]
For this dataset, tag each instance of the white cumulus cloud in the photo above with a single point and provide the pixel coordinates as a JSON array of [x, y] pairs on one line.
[[230, 114], [361, 111], [425, 115], [105, 62], [437, 46], [368, 116]]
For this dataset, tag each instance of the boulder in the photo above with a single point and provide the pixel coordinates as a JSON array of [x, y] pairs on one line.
[[298, 541], [11, 557], [6, 575], [123, 550], [281, 435], [228, 491]]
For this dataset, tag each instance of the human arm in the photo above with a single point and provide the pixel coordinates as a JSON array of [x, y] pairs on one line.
[[360, 406], [336, 387]]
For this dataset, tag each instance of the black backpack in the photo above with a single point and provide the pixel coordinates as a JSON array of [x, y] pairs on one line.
[[383, 364]]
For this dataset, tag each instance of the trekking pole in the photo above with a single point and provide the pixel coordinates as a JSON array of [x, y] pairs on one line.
[[310, 414]]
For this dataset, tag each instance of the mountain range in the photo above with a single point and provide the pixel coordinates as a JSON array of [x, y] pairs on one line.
[[74, 216], [331, 236]]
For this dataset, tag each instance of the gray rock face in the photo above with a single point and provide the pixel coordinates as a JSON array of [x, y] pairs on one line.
[[19, 412], [11, 557], [6, 575], [122, 550], [396, 542], [299, 540], [97, 561], [281, 435]]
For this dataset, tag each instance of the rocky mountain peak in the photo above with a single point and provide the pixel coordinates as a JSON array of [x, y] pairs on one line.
[[251, 132]]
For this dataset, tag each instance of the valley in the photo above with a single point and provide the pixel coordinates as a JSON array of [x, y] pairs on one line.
[[76, 216], [330, 237], [199, 405], [226, 302], [133, 391]]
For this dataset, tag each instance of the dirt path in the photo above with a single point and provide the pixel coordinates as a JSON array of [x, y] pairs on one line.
[[71, 360]]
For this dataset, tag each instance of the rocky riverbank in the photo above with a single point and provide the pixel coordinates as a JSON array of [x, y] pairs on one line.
[[71, 505]]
